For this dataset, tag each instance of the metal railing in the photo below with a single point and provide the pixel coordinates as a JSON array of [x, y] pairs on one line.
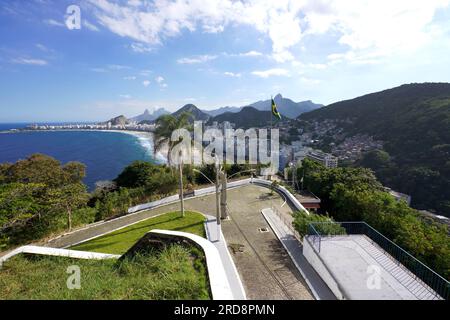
[[321, 231], [287, 222]]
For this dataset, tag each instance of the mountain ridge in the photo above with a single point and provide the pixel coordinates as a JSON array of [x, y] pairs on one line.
[[413, 122]]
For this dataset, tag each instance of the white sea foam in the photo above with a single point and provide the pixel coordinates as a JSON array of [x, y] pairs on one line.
[[146, 141]]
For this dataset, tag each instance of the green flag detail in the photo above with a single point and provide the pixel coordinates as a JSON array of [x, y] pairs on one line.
[[275, 110]]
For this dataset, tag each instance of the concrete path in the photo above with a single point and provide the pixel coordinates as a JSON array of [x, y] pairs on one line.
[[215, 235], [264, 266], [295, 251]]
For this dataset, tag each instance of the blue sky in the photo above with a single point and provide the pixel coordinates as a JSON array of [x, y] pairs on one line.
[[136, 54]]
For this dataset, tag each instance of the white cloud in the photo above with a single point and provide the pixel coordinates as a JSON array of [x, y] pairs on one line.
[[146, 83], [33, 62], [99, 70], [90, 26], [232, 74], [196, 59], [310, 81], [125, 96], [140, 47], [251, 54], [129, 78], [52, 22], [117, 67], [42, 47], [159, 79], [363, 26], [318, 66], [271, 72], [145, 73]]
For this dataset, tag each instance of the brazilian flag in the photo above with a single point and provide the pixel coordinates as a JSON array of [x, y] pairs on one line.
[[275, 110]]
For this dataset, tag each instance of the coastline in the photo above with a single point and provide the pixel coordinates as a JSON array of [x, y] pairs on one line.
[[145, 139]]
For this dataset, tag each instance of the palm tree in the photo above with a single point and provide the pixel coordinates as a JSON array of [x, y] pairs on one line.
[[165, 125]]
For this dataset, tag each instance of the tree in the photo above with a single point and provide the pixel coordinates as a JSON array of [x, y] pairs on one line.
[[165, 126], [136, 174], [68, 198], [19, 203]]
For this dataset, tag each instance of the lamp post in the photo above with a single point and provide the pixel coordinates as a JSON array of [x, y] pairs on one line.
[[218, 191]]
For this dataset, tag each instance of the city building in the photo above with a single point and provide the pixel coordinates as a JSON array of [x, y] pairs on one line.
[[326, 159], [399, 196]]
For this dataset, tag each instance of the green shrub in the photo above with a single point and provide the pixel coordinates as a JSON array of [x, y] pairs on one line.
[[302, 221]]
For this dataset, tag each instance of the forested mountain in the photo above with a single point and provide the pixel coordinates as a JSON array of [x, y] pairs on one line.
[[222, 110], [287, 107], [413, 122], [195, 113], [248, 117]]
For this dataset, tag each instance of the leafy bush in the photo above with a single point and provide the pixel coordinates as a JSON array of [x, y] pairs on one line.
[[302, 221]]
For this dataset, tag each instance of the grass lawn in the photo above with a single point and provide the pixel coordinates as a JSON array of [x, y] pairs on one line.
[[118, 242], [174, 273]]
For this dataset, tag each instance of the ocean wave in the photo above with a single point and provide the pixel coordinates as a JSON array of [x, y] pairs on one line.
[[146, 141]]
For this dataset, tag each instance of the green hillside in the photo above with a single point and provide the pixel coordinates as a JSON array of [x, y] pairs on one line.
[[248, 117], [413, 121]]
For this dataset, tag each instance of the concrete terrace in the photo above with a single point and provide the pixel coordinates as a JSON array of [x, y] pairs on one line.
[[348, 259]]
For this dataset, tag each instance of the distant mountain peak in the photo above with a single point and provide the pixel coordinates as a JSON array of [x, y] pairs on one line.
[[287, 107], [150, 116], [196, 113]]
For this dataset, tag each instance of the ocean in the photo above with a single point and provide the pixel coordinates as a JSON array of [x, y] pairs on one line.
[[105, 154]]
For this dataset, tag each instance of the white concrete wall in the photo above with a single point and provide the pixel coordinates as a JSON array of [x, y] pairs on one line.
[[154, 204], [285, 191], [211, 190], [318, 265], [58, 253]]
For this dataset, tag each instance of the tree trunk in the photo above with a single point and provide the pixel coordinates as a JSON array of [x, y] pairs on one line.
[[181, 188], [69, 218]]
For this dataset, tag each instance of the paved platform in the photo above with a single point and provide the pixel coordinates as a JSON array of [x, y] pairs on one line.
[[295, 250], [351, 259], [265, 268]]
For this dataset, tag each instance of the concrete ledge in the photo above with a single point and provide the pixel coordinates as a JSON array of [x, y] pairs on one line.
[[58, 253], [285, 192]]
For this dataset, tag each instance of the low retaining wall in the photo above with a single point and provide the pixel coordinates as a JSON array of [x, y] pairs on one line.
[[211, 190], [285, 192], [174, 198], [58, 253]]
